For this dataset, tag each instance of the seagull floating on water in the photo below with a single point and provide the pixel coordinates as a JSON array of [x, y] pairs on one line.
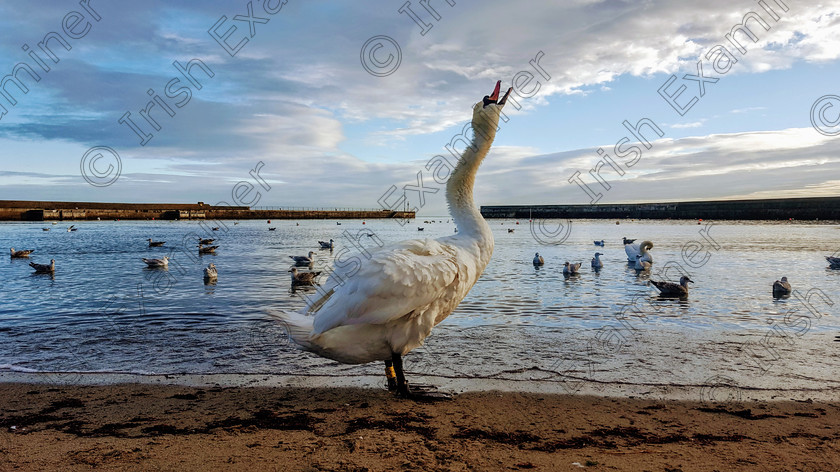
[[596, 261], [538, 260], [19, 254], [303, 278], [162, 262], [571, 269], [387, 307], [303, 260], [43, 268], [781, 288], [155, 243], [206, 249], [669, 289], [833, 262], [326, 245], [599, 243], [641, 264], [205, 241], [210, 273]]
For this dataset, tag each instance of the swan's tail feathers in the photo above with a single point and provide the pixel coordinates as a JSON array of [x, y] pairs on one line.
[[298, 327]]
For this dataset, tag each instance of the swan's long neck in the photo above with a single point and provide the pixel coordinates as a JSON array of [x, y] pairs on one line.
[[459, 189]]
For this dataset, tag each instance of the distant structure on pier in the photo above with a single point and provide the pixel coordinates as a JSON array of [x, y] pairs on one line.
[[814, 208]]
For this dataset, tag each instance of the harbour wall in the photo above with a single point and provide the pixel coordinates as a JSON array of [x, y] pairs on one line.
[[15, 210], [815, 208]]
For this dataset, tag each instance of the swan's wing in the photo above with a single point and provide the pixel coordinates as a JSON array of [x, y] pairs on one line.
[[395, 281]]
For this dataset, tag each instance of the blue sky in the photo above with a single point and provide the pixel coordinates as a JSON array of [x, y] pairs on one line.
[[297, 98]]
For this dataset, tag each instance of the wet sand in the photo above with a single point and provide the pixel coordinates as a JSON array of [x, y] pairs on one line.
[[160, 427]]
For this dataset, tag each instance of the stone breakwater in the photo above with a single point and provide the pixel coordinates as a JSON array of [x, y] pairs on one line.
[[54, 211]]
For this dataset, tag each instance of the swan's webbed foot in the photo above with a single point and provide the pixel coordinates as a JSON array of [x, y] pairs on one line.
[[427, 393]]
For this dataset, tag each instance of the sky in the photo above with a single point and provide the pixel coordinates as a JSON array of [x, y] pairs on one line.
[[333, 104]]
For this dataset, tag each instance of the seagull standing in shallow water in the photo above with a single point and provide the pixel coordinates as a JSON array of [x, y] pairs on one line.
[[387, 307]]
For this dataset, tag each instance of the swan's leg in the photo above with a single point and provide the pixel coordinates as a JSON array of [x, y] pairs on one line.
[[426, 394], [391, 375]]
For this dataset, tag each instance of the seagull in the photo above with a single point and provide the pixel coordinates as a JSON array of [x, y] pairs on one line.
[[384, 309], [833, 262], [596, 261], [668, 289], [303, 278], [571, 269], [326, 245], [781, 288], [420, 228], [16, 254], [162, 262], [599, 243], [303, 260], [207, 249], [45, 229], [205, 241], [641, 264], [155, 243], [210, 273], [538, 260], [72, 228], [272, 228], [510, 230], [43, 268], [215, 228]]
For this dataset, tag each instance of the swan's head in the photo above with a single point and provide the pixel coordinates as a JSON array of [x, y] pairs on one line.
[[486, 112]]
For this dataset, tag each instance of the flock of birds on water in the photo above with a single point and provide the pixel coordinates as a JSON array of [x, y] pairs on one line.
[[388, 307]]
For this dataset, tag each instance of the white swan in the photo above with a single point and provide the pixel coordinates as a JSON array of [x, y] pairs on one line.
[[538, 260], [391, 304], [633, 249], [596, 261]]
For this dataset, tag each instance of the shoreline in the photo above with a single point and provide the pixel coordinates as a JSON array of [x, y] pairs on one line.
[[718, 389], [158, 427]]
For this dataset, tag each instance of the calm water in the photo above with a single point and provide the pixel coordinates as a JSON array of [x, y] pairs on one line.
[[103, 311]]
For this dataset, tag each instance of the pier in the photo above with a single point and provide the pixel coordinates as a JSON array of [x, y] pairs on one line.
[[814, 208], [19, 210]]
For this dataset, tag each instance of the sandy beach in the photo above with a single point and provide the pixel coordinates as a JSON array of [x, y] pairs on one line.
[[154, 427]]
